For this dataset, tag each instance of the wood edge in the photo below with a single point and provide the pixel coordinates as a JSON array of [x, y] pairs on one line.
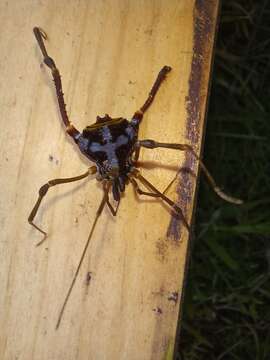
[[211, 14]]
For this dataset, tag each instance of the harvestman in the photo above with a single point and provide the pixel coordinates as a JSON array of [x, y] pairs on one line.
[[113, 145]]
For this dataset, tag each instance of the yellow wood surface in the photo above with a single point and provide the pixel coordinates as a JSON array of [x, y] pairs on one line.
[[109, 53]]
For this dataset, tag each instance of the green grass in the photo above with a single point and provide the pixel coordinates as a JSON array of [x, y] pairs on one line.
[[226, 309]]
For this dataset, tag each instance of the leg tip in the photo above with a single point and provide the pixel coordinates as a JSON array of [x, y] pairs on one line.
[[41, 241], [167, 68], [40, 33]]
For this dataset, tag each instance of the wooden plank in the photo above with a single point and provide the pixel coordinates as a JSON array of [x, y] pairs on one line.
[[109, 53]]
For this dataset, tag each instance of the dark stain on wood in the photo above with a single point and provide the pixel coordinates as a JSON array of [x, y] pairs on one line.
[[88, 278], [203, 29], [162, 250], [173, 297], [158, 310]]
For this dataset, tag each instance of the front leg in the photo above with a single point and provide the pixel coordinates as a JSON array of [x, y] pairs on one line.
[[70, 129], [137, 117], [152, 144]]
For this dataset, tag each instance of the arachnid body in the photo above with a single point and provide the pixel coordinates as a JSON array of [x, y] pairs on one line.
[[113, 145]]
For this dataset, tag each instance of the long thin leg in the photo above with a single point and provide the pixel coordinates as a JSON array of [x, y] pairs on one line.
[[137, 117], [135, 159], [43, 191], [171, 182], [111, 208], [157, 193], [98, 213], [152, 144], [140, 191], [70, 129]]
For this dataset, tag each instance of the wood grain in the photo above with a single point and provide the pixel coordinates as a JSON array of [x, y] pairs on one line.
[[109, 52]]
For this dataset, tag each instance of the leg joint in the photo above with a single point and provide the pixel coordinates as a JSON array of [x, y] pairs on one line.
[[50, 63], [43, 190], [72, 131]]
